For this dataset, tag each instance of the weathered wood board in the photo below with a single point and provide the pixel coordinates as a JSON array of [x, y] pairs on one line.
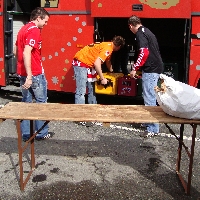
[[89, 112]]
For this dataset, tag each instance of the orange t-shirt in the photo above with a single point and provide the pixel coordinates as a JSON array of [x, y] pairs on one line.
[[91, 52]]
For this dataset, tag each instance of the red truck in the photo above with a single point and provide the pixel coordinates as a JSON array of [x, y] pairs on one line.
[[74, 24]]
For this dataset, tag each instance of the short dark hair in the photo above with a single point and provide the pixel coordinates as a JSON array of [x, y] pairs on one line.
[[118, 41], [38, 12], [134, 20]]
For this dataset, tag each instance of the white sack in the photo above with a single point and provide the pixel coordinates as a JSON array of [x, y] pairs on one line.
[[179, 100]]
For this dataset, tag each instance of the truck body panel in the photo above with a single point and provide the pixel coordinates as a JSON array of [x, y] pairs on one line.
[[69, 36], [143, 8], [74, 24]]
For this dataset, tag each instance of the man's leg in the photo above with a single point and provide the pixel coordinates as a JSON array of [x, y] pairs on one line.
[[91, 93], [80, 74], [149, 81], [39, 88], [26, 97]]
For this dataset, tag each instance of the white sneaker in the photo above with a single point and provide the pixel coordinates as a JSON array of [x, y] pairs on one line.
[[48, 136], [146, 134]]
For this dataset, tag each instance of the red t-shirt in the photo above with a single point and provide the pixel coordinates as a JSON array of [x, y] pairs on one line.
[[29, 34]]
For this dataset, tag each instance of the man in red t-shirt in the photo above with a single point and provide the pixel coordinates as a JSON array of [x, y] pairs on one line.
[[29, 68]]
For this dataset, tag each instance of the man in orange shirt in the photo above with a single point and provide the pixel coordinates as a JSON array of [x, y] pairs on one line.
[[87, 64]]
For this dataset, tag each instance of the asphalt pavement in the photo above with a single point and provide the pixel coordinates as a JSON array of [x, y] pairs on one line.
[[95, 163]]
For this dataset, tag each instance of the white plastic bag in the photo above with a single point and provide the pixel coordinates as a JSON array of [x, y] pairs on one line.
[[179, 99]]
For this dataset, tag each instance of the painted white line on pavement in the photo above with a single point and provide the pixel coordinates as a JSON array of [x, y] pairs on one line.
[[139, 130]]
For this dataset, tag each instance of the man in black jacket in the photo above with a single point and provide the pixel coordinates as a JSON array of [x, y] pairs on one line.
[[149, 61]]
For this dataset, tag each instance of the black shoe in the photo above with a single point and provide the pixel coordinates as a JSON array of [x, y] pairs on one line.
[[146, 134], [48, 136], [81, 123], [87, 124], [141, 126], [25, 139]]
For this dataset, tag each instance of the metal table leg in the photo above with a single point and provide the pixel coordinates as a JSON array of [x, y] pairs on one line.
[[21, 149], [186, 185]]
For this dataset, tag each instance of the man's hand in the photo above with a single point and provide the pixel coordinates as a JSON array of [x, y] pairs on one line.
[[104, 81], [27, 84], [132, 74]]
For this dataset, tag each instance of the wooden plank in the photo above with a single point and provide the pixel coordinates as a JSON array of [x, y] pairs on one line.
[[89, 112]]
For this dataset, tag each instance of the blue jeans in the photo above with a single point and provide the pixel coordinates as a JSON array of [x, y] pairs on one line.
[[149, 81], [38, 90], [80, 74]]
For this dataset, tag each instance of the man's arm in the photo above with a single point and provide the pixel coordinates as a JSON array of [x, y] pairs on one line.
[[109, 65], [142, 57], [27, 64], [97, 66], [27, 60], [15, 51]]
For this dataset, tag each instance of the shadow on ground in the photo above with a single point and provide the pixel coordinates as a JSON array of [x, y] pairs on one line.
[[126, 152]]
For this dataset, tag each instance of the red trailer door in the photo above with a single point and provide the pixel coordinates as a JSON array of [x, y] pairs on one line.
[[194, 69], [2, 60], [70, 27], [142, 8]]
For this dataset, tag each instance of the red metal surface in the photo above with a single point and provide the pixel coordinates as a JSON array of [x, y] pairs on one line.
[[61, 38], [195, 6], [151, 8], [194, 70], [65, 33], [64, 5], [2, 70]]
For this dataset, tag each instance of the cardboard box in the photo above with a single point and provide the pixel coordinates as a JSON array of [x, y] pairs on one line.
[[111, 87]]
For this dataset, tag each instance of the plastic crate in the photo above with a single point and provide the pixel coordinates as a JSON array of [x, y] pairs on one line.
[[111, 87], [127, 86]]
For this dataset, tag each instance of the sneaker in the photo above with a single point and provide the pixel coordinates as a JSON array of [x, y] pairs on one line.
[[48, 136], [141, 126], [81, 123], [146, 134], [25, 139], [87, 124]]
